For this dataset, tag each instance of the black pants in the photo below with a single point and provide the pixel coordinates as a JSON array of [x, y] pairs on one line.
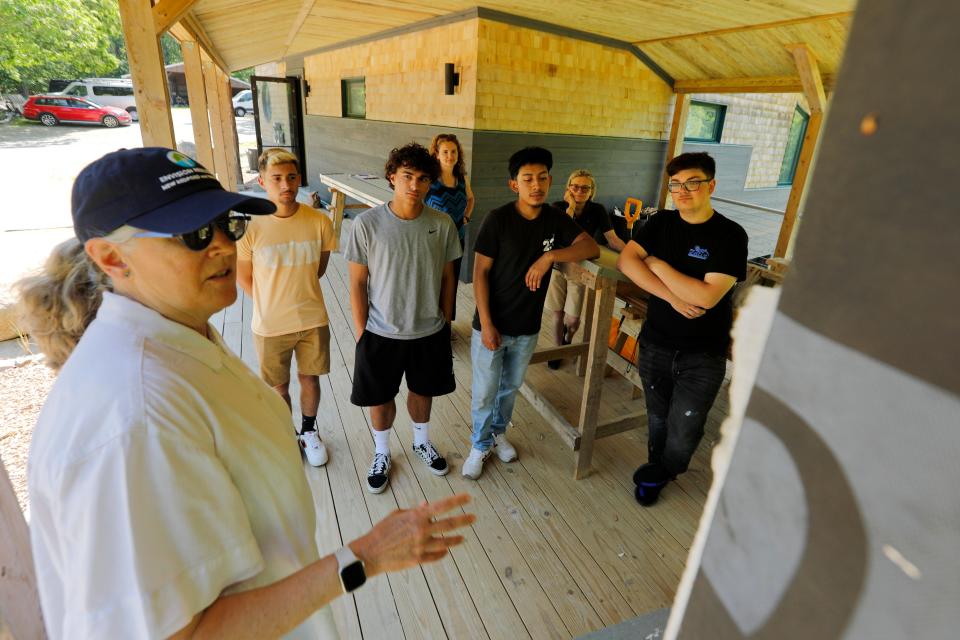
[[680, 388]]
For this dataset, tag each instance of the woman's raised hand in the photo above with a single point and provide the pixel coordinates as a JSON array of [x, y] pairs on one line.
[[408, 537]]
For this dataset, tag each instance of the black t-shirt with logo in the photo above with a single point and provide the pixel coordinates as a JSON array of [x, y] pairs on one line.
[[514, 243], [718, 245], [594, 218]]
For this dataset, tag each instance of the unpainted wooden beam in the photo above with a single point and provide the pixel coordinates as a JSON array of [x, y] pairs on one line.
[[190, 22], [810, 77], [166, 13], [756, 84], [302, 16], [675, 144], [148, 74], [193, 70], [750, 27]]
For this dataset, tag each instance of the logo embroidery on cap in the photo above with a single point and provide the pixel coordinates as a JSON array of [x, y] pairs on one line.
[[699, 252], [181, 160]]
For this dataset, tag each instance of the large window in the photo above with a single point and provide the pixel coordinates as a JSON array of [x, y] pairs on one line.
[[353, 93], [112, 90], [798, 128], [704, 122]]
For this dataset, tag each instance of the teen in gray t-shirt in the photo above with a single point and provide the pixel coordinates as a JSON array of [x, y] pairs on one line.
[[396, 252]]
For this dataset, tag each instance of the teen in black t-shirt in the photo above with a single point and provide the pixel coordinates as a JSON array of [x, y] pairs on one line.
[[689, 260], [516, 249], [514, 243]]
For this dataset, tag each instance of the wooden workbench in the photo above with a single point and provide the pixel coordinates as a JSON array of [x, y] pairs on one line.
[[600, 277], [367, 189]]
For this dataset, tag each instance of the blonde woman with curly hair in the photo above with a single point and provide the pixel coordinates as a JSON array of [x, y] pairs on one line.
[[565, 298]]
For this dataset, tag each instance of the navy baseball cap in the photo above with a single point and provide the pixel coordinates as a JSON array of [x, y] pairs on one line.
[[154, 189]]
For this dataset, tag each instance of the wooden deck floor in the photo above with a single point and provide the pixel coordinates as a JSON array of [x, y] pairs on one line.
[[549, 557]]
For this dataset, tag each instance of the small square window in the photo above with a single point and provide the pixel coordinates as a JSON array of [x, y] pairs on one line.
[[353, 93], [704, 122]]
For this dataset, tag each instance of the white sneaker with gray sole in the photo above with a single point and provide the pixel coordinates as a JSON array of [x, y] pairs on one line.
[[473, 465], [504, 449]]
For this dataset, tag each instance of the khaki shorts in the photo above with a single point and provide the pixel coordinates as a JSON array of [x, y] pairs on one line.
[[311, 346], [565, 295]]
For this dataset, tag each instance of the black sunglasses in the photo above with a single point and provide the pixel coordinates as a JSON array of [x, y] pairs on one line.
[[233, 225]]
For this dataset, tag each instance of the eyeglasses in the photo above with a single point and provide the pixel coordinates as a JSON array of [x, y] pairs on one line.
[[233, 225], [581, 188], [689, 185]]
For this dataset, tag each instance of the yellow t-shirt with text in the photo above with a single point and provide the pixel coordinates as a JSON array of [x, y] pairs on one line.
[[286, 257]]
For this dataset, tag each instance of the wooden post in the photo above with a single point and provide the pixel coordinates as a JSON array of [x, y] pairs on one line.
[[602, 312], [19, 600], [816, 97], [229, 124], [337, 201], [193, 69], [680, 110], [147, 72], [587, 314], [166, 13], [219, 156]]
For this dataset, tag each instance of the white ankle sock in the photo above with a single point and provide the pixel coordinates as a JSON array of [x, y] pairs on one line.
[[381, 441], [421, 433]]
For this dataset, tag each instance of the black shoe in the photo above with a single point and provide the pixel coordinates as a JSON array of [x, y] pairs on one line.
[[554, 364], [436, 464], [377, 476], [650, 479]]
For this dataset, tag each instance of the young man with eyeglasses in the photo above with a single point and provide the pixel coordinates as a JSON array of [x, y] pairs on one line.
[[564, 297], [279, 264], [516, 249], [689, 261], [400, 256]]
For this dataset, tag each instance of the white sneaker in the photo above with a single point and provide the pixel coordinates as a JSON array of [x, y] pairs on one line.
[[473, 465], [313, 448], [504, 449]]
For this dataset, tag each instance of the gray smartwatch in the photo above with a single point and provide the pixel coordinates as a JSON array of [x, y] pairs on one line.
[[351, 569]]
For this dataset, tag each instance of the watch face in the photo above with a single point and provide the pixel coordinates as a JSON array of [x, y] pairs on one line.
[[353, 576]]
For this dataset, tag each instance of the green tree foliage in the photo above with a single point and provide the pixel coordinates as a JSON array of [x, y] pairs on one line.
[[243, 74], [44, 39]]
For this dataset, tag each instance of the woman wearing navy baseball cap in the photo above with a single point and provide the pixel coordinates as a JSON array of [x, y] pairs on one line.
[[167, 498]]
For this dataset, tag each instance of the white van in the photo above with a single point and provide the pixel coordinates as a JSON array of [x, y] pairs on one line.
[[112, 92], [243, 103]]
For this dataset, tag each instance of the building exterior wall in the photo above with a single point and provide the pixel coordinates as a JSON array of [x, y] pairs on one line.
[[539, 82], [403, 76], [761, 120]]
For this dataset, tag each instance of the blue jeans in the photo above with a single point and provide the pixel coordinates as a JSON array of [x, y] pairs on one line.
[[496, 377], [679, 388]]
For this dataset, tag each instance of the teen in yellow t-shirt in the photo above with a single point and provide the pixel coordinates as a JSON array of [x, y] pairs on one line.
[[280, 261]]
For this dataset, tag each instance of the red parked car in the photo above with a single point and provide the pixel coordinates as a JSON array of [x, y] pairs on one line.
[[52, 109]]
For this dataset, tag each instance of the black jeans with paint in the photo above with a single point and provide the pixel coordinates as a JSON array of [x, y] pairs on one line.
[[679, 388]]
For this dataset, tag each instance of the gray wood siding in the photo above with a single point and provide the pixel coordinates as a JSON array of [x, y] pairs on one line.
[[623, 167]]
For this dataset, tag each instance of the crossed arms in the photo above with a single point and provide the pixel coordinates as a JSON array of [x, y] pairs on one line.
[[688, 296]]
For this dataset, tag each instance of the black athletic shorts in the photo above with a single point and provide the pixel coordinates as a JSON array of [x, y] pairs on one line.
[[381, 362]]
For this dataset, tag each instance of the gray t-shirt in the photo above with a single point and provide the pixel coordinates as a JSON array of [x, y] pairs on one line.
[[406, 260]]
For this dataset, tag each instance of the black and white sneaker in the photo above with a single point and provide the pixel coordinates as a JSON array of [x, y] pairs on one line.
[[378, 476], [436, 464]]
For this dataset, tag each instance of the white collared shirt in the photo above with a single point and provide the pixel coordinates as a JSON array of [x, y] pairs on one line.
[[162, 473]]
